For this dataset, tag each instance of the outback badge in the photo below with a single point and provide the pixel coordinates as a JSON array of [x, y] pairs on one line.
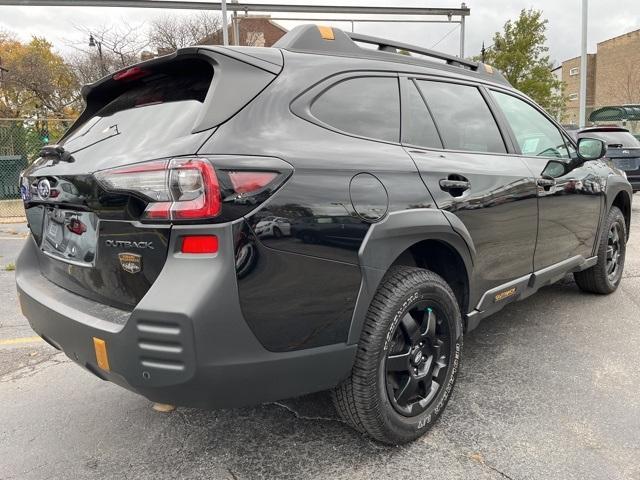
[[130, 262]]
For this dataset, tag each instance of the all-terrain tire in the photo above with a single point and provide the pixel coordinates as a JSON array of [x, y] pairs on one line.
[[363, 400], [599, 278]]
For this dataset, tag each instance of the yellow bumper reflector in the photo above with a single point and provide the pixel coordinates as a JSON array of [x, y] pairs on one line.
[[326, 33], [102, 358]]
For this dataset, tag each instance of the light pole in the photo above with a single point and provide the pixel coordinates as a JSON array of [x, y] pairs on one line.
[[225, 25], [96, 43], [582, 121]]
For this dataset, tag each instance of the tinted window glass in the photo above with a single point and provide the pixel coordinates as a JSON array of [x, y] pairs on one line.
[[535, 134], [463, 117], [158, 107], [366, 106], [419, 128]]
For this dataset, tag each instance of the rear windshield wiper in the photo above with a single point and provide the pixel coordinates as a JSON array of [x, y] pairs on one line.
[[58, 153]]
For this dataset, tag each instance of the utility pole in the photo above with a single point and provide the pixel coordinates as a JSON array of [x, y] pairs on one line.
[[225, 26], [463, 6], [583, 67]]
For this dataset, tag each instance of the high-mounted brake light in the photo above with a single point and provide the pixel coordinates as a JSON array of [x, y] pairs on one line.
[[133, 73], [180, 189]]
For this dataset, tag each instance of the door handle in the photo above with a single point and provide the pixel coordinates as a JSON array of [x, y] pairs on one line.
[[546, 183], [455, 187]]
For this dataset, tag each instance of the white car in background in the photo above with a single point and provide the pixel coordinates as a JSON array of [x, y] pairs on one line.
[[274, 227]]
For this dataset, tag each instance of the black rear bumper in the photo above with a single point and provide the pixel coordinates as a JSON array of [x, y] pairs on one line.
[[186, 342]]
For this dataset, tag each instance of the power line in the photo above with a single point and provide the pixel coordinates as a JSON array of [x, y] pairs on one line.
[[445, 36]]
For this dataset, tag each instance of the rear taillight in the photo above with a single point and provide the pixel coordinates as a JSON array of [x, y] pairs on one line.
[[190, 189], [179, 189], [247, 182]]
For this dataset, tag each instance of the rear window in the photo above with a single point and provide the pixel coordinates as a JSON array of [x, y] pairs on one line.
[[613, 139], [363, 106], [161, 105]]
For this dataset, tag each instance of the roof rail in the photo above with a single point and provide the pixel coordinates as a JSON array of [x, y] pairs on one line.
[[393, 47], [311, 38]]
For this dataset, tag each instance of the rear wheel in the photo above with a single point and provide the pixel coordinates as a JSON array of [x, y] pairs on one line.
[[605, 276], [407, 359]]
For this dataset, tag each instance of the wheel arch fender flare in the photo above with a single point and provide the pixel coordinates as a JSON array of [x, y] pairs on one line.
[[387, 240], [616, 185]]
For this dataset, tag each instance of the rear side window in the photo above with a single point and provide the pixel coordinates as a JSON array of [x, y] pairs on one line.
[[363, 106], [463, 117], [418, 127]]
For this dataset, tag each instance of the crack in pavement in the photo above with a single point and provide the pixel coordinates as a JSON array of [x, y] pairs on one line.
[[27, 371], [304, 417]]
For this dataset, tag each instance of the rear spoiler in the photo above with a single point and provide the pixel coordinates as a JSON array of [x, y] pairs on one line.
[[244, 70]]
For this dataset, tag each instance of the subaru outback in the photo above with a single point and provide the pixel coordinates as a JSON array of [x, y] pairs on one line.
[[421, 192]]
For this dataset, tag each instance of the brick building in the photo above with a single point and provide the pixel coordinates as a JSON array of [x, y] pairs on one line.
[[254, 30], [571, 78], [613, 76]]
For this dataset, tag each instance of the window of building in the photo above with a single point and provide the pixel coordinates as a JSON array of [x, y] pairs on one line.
[[463, 117], [537, 136], [418, 127], [364, 106], [574, 71], [573, 96]]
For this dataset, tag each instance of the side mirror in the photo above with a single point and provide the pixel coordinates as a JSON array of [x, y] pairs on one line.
[[555, 169], [591, 149]]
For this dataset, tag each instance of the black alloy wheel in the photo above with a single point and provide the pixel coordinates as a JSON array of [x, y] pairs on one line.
[[613, 251], [417, 360]]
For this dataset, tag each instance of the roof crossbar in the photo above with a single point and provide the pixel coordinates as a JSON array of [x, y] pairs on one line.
[[393, 46]]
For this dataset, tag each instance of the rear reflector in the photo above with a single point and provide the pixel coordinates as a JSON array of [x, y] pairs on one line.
[[199, 244], [100, 346]]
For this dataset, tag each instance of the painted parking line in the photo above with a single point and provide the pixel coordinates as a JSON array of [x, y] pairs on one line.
[[18, 341], [13, 238]]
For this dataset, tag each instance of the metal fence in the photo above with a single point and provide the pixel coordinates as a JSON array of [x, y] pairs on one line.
[[20, 142]]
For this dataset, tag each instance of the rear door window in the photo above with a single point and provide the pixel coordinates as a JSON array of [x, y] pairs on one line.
[[363, 106], [463, 117], [418, 127]]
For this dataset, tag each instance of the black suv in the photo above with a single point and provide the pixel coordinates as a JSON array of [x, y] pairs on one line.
[[230, 226], [623, 149]]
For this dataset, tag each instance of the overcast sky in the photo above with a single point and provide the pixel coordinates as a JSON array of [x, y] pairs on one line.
[[607, 18]]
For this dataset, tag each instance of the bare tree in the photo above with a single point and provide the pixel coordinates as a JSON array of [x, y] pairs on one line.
[[114, 47], [168, 33]]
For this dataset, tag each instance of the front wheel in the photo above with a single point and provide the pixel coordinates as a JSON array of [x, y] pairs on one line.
[[605, 276], [407, 360]]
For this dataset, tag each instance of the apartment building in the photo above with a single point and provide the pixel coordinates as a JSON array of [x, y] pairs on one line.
[[613, 76]]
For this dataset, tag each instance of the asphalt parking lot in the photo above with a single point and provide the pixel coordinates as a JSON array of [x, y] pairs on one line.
[[549, 389]]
